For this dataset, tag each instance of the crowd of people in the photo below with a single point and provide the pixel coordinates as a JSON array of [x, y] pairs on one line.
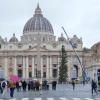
[[35, 85], [23, 85], [30, 85]]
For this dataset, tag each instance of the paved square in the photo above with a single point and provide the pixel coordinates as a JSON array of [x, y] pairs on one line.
[[63, 92]]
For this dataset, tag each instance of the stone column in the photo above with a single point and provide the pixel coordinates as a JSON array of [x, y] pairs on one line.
[[6, 67], [47, 69], [33, 67], [24, 66], [50, 67], [27, 68], [41, 63], [15, 66]]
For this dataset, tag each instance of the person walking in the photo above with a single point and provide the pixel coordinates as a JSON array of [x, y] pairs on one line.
[[73, 84], [29, 85], [54, 83], [12, 86], [17, 86], [94, 87], [20, 85], [37, 85], [24, 85], [4, 87]]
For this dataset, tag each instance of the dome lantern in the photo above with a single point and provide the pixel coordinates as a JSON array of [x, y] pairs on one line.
[[38, 10]]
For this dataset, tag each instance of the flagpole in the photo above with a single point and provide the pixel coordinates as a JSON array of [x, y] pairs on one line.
[[83, 69]]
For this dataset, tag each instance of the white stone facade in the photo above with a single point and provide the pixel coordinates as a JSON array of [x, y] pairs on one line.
[[37, 55]]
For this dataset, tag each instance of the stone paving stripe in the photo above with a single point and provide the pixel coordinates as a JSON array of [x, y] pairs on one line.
[[61, 98], [37, 98], [50, 98], [13, 99], [76, 98], [25, 99], [88, 99]]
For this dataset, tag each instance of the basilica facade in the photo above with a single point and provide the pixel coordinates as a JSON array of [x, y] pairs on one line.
[[37, 54]]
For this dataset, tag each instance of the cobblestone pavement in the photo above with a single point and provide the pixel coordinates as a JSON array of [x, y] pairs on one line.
[[63, 92]]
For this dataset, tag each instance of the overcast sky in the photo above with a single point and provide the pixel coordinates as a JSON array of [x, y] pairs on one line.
[[80, 17]]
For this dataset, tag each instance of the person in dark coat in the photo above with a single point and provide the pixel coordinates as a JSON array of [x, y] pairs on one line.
[[17, 86], [29, 85], [73, 84], [94, 87], [32, 85], [24, 84], [37, 85], [54, 83]]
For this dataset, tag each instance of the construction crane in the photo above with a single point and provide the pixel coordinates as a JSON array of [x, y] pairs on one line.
[[83, 69]]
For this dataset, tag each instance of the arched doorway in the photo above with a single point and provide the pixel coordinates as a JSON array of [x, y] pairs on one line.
[[74, 72]]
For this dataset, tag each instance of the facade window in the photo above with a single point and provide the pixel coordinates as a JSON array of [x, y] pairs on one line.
[[44, 74], [44, 65], [30, 46], [19, 73], [30, 66], [54, 73], [30, 74], [44, 46], [19, 46], [54, 65], [19, 65]]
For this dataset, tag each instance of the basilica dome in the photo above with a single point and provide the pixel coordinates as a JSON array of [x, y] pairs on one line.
[[38, 23]]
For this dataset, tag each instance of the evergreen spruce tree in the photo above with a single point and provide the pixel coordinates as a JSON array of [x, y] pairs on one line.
[[63, 66]]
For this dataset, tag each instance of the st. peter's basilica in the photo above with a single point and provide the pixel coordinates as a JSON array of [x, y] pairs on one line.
[[37, 54]]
